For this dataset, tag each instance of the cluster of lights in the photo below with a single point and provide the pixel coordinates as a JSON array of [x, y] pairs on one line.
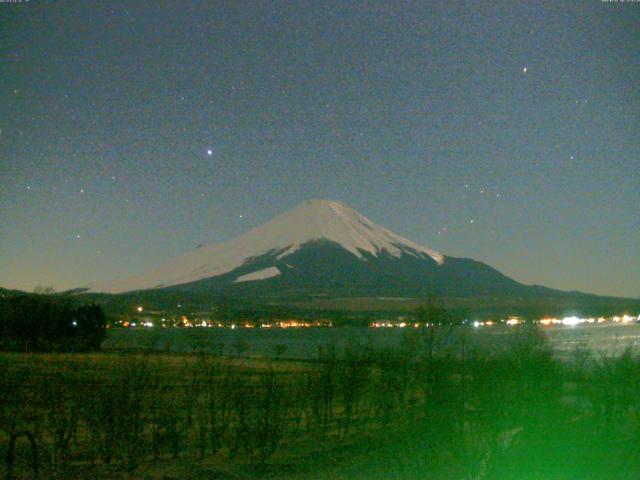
[[625, 319], [573, 321], [487, 323], [570, 321], [401, 322], [389, 324], [298, 324], [382, 324], [186, 322]]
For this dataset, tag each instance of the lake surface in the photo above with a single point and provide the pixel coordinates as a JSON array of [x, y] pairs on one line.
[[306, 343]]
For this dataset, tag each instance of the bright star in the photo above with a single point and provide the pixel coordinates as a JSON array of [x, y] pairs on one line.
[[524, 70], [209, 152]]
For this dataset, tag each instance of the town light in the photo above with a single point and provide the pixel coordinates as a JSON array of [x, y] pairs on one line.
[[571, 321]]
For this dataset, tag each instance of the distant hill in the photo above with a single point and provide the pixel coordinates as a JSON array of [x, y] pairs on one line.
[[5, 292]]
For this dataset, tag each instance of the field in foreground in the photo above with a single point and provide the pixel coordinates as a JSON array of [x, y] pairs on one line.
[[427, 409]]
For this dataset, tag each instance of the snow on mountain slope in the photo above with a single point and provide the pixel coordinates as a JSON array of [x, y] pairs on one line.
[[259, 275], [285, 234]]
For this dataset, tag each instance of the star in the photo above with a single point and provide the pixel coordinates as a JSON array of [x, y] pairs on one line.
[[471, 221], [82, 190], [209, 152], [78, 236], [524, 69]]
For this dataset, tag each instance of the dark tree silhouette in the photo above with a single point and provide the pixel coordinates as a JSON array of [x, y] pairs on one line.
[[45, 323]]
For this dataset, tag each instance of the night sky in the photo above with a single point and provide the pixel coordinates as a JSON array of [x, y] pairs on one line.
[[132, 131]]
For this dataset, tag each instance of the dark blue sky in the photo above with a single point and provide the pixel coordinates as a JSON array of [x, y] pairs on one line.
[[508, 132]]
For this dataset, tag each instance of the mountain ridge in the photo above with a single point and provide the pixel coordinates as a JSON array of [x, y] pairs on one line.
[[311, 220], [323, 249]]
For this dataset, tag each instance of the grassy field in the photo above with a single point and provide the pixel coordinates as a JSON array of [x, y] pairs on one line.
[[419, 411]]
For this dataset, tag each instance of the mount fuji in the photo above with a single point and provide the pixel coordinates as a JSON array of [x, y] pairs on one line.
[[322, 248]]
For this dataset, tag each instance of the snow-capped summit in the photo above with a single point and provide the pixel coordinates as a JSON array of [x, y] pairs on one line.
[[334, 221], [312, 220]]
